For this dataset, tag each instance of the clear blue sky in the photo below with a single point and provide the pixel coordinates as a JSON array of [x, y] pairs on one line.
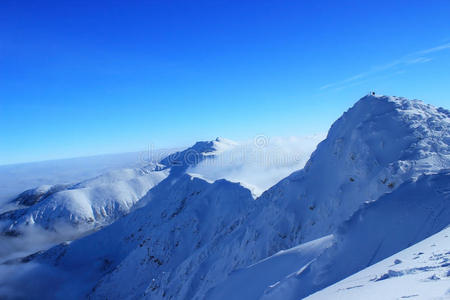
[[87, 77]]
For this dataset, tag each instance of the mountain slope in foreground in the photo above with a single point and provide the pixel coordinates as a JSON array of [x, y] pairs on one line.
[[420, 272], [191, 237], [413, 212]]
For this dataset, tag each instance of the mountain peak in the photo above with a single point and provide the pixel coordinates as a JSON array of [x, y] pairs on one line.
[[370, 150], [389, 114], [181, 160], [399, 104]]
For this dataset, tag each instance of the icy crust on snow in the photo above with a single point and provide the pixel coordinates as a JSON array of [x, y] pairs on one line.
[[415, 211], [375, 146], [420, 272]]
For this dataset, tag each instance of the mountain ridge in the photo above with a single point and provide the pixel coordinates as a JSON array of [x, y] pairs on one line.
[[189, 234]]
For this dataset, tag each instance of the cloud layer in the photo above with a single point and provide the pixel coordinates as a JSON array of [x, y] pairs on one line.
[[259, 163]]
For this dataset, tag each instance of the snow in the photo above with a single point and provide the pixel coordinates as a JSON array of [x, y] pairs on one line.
[[188, 214], [376, 185], [17, 178], [421, 271], [73, 210], [268, 272], [49, 214], [414, 211], [375, 146]]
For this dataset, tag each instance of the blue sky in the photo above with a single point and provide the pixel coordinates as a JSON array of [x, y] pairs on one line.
[[88, 77]]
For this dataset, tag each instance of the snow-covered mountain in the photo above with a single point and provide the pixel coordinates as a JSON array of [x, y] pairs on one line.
[[52, 214], [376, 185], [374, 147], [397, 220], [49, 214], [44, 216], [377, 230], [16, 178]]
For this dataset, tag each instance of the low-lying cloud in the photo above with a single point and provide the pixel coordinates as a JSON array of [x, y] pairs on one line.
[[259, 163], [31, 239]]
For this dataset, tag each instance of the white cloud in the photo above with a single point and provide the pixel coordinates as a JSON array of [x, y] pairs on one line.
[[259, 163], [419, 60], [434, 49], [407, 60]]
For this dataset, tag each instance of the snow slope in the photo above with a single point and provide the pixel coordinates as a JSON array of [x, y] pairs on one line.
[[251, 282], [92, 201], [415, 211], [421, 271], [183, 215], [375, 146], [190, 234], [52, 214]]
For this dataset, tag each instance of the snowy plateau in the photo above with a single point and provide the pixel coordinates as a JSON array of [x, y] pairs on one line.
[[365, 215]]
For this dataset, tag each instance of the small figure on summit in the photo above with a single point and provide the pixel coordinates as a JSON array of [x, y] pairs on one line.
[[372, 93]]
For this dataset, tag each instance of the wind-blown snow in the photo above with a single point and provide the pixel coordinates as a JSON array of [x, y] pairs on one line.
[[420, 272]]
